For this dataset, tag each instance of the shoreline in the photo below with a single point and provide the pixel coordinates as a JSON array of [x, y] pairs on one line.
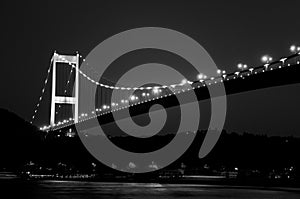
[[203, 181], [165, 184]]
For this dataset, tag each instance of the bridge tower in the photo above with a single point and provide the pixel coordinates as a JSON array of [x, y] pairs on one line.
[[68, 59]]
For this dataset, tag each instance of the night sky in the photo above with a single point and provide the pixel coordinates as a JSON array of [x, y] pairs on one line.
[[231, 32]]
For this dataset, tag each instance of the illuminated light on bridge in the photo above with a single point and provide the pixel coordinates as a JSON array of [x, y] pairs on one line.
[[201, 76], [156, 90], [241, 66], [201, 79], [105, 107], [266, 59], [133, 98], [183, 82], [43, 91], [266, 66], [295, 49], [283, 59]]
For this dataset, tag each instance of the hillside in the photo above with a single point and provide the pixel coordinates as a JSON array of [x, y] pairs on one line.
[[19, 140]]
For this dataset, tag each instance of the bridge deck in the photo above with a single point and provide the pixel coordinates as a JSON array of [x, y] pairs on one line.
[[233, 84]]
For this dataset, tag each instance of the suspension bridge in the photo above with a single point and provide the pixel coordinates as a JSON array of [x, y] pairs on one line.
[[64, 70]]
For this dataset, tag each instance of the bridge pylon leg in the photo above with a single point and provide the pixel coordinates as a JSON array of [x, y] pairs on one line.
[[69, 59]]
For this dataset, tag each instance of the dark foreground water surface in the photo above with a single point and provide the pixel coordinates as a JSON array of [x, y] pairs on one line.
[[12, 188]]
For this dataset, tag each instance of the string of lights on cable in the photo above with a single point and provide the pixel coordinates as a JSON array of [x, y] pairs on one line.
[[203, 81], [42, 94]]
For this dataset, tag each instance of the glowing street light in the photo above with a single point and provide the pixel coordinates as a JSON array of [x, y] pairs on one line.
[[241, 66], [295, 49], [201, 76], [133, 98], [184, 81], [266, 59], [156, 90], [220, 72]]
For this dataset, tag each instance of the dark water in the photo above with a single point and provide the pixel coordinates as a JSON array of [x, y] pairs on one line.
[[12, 188]]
